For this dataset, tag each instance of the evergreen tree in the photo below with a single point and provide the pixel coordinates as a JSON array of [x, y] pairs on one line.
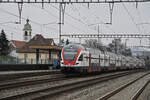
[[4, 48]]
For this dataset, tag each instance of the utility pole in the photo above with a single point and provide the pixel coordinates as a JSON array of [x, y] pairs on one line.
[[116, 46], [149, 42], [20, 12], [61, 17], [98, 33], [60, 22]]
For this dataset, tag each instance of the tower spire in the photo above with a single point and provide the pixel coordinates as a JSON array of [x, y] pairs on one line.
[[27, 31], [27, 20]]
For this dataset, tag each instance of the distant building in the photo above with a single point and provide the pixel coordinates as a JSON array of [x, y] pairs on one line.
[[26, 51], [141, 52], [14, 46], [29, 55]]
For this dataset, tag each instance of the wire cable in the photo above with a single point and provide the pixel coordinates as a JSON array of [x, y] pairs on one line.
[[130, 16]]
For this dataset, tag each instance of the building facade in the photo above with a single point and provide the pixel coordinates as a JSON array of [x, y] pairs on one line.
[[29, 55], [22, 51], [14, 46]]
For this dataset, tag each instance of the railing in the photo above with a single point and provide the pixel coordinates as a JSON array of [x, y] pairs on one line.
[[14, 60]]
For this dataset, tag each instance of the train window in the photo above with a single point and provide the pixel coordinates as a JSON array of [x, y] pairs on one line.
[[70, 52], [81, 57], [70, 55]]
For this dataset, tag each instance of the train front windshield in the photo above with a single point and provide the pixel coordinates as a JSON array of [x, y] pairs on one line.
[[70, 52]]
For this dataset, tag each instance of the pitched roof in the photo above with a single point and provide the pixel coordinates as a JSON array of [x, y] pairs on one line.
[[18, 44], [37, 40]]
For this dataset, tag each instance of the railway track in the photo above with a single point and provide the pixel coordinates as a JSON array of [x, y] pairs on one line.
[[55, 90], [4, 76], [131, 90], [140, 91], [25, 81]]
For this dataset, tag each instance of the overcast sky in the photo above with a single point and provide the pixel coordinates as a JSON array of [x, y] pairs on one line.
[[78, 17]]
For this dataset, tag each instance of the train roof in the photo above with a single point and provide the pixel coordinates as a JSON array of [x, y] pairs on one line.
[[102, 49]]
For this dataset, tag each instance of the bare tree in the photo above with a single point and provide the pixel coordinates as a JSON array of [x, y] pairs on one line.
[[119, 48], [94, 43]]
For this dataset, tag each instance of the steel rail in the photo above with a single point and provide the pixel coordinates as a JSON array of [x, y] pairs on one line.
[[23, 75], [112, 93], [53, 91], [140, 91], [11, 85]]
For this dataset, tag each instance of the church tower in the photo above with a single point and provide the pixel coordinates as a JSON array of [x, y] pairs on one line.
[[27, 31]]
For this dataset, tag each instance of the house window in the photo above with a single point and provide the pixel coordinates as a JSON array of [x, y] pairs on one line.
[[25, 33]]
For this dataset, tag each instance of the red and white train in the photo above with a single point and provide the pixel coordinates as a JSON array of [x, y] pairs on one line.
[[81, 59]]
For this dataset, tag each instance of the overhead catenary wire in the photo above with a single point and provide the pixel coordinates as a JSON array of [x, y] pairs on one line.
[[12, 29], [39, 24], [140, 18], [16, 29], [47, 11], [79, 20], [86, 23], [96, 17], [132, 19], [74, 18], [34, 21], [18, 16], [70, 16]]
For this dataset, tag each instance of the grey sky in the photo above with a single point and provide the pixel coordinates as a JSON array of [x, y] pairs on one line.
[[77, 19]]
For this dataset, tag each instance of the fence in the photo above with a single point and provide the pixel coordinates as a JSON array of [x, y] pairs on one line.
[[14, 60]]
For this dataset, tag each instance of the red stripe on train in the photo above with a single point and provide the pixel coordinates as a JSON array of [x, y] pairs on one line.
[[62, 54]]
